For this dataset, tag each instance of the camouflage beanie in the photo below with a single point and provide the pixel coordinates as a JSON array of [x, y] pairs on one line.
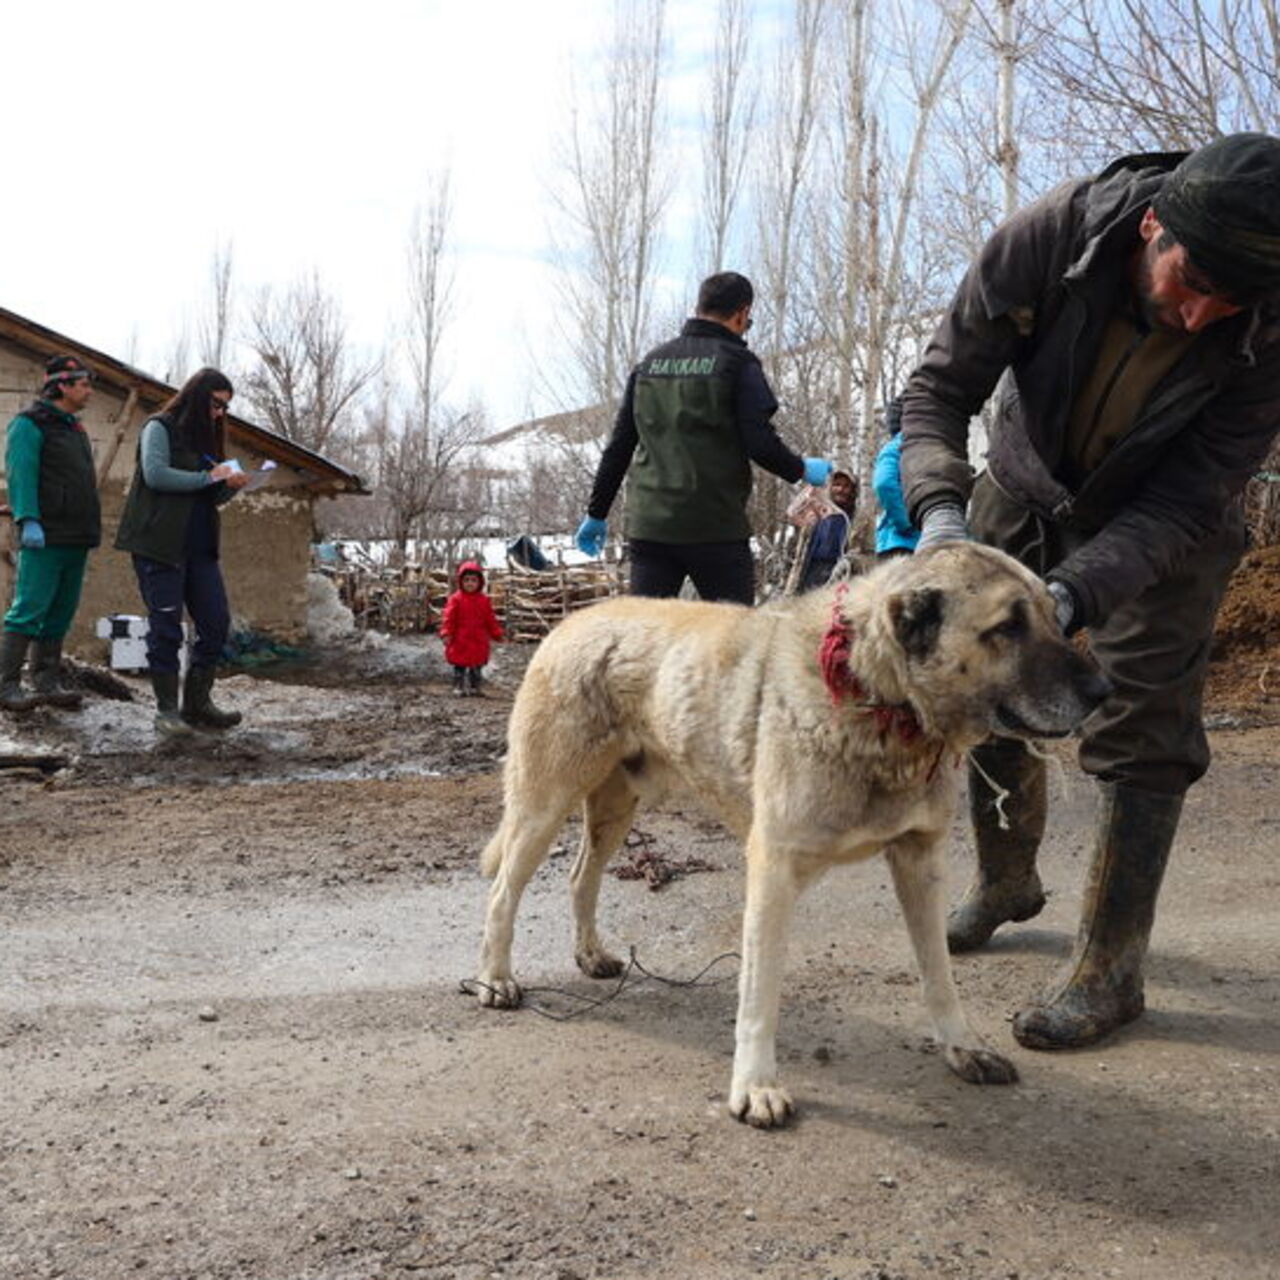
[[61, 370], [1222, 204]]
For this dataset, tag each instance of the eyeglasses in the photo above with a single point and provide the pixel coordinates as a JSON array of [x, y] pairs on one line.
[[218, 406]]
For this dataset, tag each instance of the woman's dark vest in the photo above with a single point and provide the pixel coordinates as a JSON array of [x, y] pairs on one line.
[[154, 524], [68, 492]]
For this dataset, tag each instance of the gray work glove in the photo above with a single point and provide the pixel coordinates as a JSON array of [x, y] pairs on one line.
[[1064, 606], [943, 523]]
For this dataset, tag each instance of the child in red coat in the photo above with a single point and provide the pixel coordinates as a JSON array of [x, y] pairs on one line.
[[469, 622]]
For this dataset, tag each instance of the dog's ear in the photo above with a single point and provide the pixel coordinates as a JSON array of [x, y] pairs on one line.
[[916, 617]]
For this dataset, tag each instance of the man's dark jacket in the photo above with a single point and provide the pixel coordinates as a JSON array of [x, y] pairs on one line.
[[1036, 301], [694, 417]]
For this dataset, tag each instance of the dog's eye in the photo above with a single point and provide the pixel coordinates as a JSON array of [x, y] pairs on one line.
[[1013, 627]]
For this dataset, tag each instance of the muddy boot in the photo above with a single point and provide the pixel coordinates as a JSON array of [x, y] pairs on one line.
[[197, 706], [459, 682], [46, 676], [1101, 987], [1006, 886], [473, 682], [13, 697], [168, 723]]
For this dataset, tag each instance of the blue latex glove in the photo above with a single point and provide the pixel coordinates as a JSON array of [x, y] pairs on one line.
[[32, 534], [817, 471], [590, 537]]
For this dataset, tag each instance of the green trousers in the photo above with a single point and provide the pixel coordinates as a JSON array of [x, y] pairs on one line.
[[47, 592]]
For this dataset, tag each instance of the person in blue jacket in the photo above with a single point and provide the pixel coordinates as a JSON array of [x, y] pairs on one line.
[[895, 534], [53, 492]]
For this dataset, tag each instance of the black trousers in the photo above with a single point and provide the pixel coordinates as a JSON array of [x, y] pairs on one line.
[[718, 570], [166, 588]]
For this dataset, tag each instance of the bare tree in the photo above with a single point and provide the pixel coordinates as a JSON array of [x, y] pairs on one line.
[[612, 199], [838, 262], [729, 115], [786, 169], [431, 283], [177, 358], [787, 334], [305, 383], [928, 81], [1157, 74], [214, 326], [421, 477], [1007, 143]]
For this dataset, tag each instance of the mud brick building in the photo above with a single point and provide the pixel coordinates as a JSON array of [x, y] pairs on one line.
[[266, 535]]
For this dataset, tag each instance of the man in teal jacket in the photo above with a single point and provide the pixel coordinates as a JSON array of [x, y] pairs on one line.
[[53, 491]]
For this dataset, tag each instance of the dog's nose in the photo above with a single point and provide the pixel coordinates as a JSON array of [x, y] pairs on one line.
[[1095, 688]]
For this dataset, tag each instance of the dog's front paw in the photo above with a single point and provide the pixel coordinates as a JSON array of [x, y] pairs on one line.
[[980, 1065], [763, 1106], [499, 993]]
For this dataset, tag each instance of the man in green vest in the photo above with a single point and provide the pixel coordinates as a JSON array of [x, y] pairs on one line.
[[53, 492], [695, 416]]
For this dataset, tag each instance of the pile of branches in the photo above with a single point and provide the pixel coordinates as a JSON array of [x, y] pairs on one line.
[[411, 598], [530, 603], [408, 599]]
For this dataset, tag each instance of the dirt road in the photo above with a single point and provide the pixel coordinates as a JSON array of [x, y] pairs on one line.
[[232, 1041]]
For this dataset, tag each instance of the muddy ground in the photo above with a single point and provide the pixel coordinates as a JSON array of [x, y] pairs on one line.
[[233, 1043]]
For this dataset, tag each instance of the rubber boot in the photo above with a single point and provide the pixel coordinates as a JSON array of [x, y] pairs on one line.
[[459, 682], [197, 706], [473, 682], [13, 697], [168, 722], [1006, 886], [46, 676], [1101, 987]]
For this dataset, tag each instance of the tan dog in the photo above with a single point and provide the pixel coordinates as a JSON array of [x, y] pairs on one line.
[[822, 730]]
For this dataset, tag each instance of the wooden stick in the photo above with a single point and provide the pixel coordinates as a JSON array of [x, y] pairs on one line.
[[122, 428]]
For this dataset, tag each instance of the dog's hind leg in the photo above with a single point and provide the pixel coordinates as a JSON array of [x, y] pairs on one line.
[[919, 875], [606, 819], [519, 847]]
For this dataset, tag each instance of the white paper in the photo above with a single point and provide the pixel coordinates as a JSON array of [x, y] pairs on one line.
[[259, 477]]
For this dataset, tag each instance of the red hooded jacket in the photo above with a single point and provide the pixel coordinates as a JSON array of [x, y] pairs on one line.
[[469, 621]]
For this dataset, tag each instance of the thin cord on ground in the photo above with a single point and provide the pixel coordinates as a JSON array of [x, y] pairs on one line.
[[473, 986]]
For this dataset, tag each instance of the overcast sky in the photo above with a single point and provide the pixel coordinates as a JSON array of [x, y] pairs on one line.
[[141, 134]]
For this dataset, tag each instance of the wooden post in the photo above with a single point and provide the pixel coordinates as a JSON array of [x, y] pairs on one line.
[[122, 428]]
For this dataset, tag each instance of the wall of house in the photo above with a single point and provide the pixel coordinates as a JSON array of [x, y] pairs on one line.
[[266, 554], [266, 535]]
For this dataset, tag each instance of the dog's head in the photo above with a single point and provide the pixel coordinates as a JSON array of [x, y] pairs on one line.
[[971, 639]]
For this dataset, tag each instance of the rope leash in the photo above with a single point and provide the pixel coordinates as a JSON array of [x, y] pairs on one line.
[[473, 987]]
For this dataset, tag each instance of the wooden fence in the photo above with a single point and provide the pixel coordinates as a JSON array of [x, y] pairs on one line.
[[528, 602]]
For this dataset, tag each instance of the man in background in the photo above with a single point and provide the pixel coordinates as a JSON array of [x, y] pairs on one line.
[[695, 415], [830, 536]]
